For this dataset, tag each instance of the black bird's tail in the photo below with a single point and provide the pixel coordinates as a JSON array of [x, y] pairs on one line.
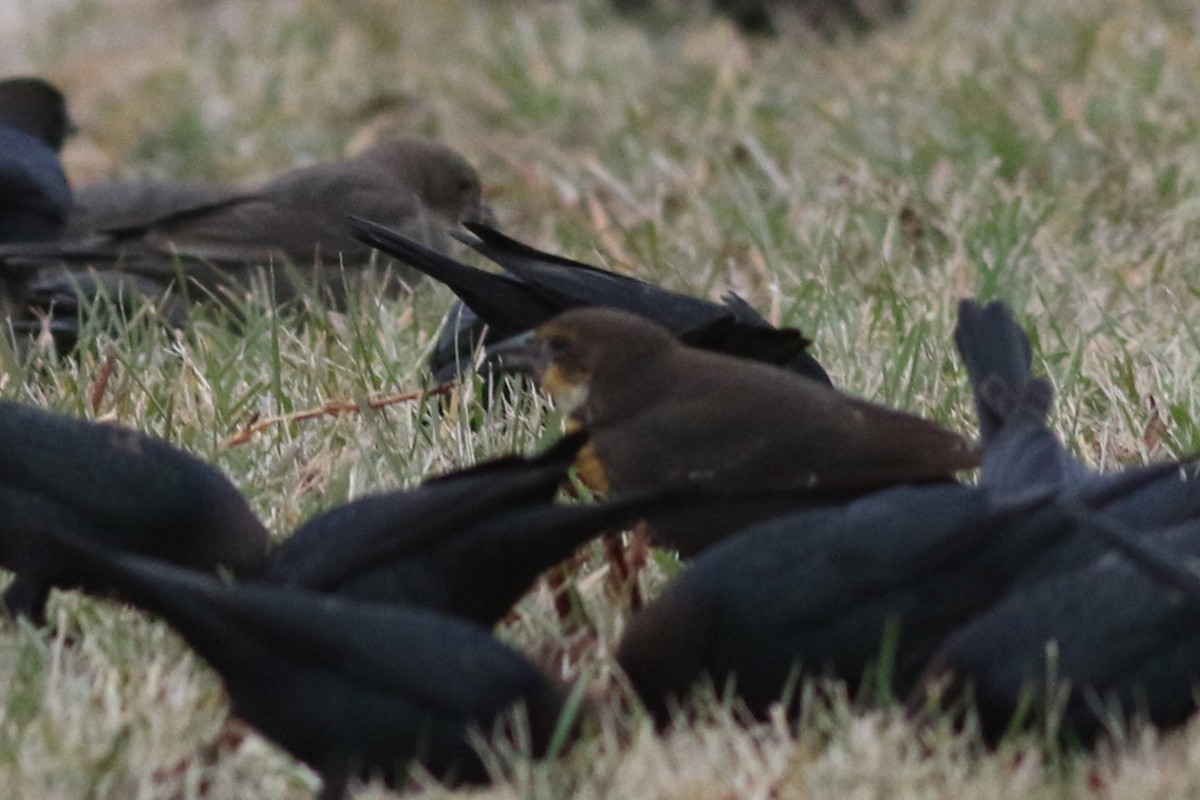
[[330, 547], [570, 284], [510, 253], [504, 303], [557, 458], [783, 347], [522, 543], [177, 594], [998, 356], [732, 327], [237, 628], [1020, 450]]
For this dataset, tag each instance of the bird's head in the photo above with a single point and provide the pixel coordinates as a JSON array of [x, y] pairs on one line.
[[581, 350], [34, 106], [446, 183]]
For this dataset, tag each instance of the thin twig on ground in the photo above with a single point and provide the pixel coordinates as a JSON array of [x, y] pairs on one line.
[[332, 409]]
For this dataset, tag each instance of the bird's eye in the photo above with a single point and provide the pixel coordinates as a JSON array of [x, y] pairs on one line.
[[558, 344]]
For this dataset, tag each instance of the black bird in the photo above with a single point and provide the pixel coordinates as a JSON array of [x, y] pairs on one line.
[[1087, 649], [1155, 560], [827, 17], [1081, 613], [352, 689], [1022, 452], [468, 544], [117, 487], [34, 194], [817, 592], [536, 286]]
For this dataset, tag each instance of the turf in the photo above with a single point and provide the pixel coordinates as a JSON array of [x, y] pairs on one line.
[[1043, 153]]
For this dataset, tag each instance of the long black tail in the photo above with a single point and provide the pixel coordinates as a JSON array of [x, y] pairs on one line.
[[506, 304], [1020, 450], [177, 594], [998, 356]]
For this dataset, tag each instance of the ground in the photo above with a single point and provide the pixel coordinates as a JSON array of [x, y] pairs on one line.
[[1045, 153]]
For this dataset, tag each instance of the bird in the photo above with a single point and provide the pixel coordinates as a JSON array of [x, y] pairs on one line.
[[1021, 451], [1087, 649], [663, 414], [1012, 406], [535, 286], [837, 592], [827, 17], [880, 583], [286, 236], [886, 579], [467, 544], [769, 18], [1081, 613], [130, 206], [117, 487], [1153, 559], [35, 196], [56, 303], [354, 690]]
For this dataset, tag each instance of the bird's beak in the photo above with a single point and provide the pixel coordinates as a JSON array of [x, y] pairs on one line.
[[523, 353], [481, 215]]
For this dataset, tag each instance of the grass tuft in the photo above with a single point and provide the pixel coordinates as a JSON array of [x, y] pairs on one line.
[[1045, 154]]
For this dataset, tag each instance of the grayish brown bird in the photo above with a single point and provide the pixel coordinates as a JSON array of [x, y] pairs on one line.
[[290, 232], [420, 186]]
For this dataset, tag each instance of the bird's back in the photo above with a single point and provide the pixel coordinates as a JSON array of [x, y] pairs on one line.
[[744, 425]]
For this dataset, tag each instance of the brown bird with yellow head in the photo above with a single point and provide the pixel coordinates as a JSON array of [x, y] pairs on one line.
[[662, 414]]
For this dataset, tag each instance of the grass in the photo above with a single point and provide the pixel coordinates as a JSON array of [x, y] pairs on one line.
[[1044, 153]]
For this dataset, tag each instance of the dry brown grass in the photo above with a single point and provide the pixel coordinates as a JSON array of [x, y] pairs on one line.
[[1045, 153]]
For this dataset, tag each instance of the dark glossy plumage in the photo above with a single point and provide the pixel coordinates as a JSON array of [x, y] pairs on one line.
[[114, 486], [34, 194], [535, 286], [1089, 647], [818, 590], [814, 593], [351, 689], [1082, 612], [468, 544], [1022, 452]]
